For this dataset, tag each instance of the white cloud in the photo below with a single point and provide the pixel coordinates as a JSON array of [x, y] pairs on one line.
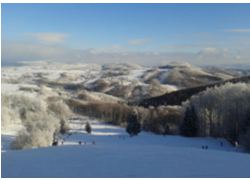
[[210, 51], [239, 30], [25, 51], [49, 37], [212, 55], [137, 42]]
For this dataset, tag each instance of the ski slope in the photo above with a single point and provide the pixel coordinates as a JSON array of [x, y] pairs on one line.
[[109, 152]]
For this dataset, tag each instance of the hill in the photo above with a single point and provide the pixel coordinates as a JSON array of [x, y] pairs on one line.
[[177, 97]]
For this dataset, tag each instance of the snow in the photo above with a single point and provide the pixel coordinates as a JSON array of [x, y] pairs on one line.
[[9, 88], [96, 96], [137, 73], [77, 73], [30, 75], [109, 151], [170, 87], [115, 154]]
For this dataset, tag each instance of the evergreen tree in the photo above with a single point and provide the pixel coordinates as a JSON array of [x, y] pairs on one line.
[[133, 125], [189, 127], [245, 136], [64, 128], [88, 128]]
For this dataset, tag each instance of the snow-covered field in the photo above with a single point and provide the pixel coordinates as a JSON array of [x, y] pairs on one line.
[[109, 152]]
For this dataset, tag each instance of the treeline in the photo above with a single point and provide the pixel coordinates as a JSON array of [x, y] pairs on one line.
[[114, 113], [222, 111], [160, 120], [180, 96]]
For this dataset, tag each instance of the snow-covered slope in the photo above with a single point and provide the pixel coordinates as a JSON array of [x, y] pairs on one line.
[[96, 96], [114, 79], [110, 152]]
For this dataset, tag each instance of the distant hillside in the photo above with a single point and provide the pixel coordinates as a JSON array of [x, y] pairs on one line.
[[177, 97], [184, 75]]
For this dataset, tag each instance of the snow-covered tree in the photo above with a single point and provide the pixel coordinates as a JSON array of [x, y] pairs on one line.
[[61, 111], [39, 120], [222, 111]]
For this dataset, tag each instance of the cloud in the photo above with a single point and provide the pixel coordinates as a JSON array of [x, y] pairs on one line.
[[13, 51], [239, 30], [17, 51], [137, 42], [211, 51], [213, 55], [52, 38]]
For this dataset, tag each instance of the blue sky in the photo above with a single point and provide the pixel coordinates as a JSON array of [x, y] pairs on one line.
[[205, 32]]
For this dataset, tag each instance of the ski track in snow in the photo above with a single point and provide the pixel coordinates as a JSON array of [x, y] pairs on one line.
[[115, 154]]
